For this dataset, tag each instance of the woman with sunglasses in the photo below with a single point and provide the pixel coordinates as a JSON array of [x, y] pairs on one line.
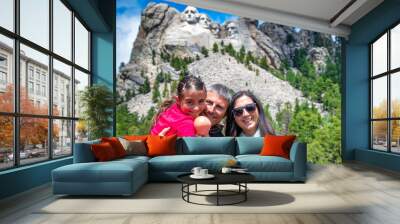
[[246, 117]]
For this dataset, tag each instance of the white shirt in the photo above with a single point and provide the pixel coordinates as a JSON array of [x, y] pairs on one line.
[[256, 134]]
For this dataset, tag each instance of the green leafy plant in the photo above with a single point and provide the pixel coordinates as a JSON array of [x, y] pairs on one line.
[[97, 102]]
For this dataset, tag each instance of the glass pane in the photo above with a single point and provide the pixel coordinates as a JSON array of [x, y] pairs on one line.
[[62, 138], [62, 29], [81, 81], [395, 129], [379, 55], [33, 139], [35, 21], [34, 97], [6, 142], [379, 97], [379, 135], [81, 45], [6, 74], [7, 14], [81, 131], [395, 47], [62, 89], [395, 94]]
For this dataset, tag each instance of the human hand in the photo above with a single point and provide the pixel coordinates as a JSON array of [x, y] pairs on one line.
[[164, 131]]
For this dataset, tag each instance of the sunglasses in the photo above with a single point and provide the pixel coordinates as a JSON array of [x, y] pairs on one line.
[[237, 112]]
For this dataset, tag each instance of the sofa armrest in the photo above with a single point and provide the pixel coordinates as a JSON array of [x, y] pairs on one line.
[[298, 155], [83, 152]]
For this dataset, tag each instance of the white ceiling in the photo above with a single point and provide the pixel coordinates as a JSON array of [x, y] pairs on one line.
[[316, 15]]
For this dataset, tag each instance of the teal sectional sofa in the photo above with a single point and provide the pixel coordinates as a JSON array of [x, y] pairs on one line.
[[125, 176]]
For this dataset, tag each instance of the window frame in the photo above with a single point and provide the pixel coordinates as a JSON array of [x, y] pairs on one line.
[[388, 74], [16, 114]]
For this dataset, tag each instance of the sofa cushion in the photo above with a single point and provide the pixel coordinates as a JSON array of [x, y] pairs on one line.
[[116, 145], [249, 145], [103, 152], [185, 163], [275, 145], [135, 147], [257, 163], [206, 145], [83, 152], [161, 145], [111, 171]]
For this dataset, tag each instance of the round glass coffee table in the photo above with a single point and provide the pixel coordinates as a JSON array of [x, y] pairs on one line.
[[238, 179]]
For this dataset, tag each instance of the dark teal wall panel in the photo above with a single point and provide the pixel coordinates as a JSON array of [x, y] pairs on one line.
[[357, 102], [24, 178], [102, 59], [376, 158]]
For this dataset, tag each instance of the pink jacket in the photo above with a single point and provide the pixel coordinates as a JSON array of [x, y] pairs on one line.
[[180, 123]]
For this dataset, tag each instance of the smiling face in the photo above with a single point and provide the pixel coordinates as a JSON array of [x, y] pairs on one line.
[[216, 107], [248, 121], [192, 102]]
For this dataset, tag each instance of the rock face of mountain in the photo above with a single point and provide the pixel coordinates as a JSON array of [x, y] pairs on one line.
[[166, 31]]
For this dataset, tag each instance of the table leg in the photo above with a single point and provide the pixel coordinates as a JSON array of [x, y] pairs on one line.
[[196, 188], [245, 193], [217, 194]]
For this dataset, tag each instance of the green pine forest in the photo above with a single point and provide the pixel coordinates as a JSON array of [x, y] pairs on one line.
[[321, 131]]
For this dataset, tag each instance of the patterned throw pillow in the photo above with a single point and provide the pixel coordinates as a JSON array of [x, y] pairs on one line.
[[134, 147]]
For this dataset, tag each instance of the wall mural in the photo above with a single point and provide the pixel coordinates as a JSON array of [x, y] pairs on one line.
[[294, 72]]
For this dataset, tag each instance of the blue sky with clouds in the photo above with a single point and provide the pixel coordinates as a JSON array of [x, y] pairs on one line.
[[128, 21]]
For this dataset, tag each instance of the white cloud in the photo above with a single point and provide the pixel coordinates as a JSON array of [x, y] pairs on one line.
[[127, 29]]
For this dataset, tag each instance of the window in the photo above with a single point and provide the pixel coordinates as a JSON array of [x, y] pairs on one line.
[[44, 91], [37, 74], [81, 45], [7, 73], [3, 71], [30, 87], [54, 126], [385, 92], [30, 72], [7, 14], [38, 89], [3, 61], [34, 21]]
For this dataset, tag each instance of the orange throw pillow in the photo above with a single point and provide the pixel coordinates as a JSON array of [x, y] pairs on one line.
[[136, 137], [161, 145], [116, 145], [103, 151], [277, 145]]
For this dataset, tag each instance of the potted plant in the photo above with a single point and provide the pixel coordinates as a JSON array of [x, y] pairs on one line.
[[97, 102]]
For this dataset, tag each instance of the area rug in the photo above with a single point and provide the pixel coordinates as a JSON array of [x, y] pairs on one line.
[[166, 198]]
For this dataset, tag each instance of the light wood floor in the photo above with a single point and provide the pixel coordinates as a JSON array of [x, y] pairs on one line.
[[378, 188]]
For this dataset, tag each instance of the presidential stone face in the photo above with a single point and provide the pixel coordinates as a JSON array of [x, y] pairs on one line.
[[215, 28], [190, 15], [204, 21], [232, 29]]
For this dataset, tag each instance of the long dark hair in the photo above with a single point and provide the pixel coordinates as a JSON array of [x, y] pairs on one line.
[[232, 129], [188, 82]]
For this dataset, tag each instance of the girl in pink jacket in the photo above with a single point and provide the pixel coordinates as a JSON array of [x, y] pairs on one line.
[[179, 116]]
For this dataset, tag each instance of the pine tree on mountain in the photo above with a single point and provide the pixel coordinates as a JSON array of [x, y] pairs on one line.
[[242, 54], [204, 51], [156, 92], [145, 88], [215, 48], [263, 63]]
